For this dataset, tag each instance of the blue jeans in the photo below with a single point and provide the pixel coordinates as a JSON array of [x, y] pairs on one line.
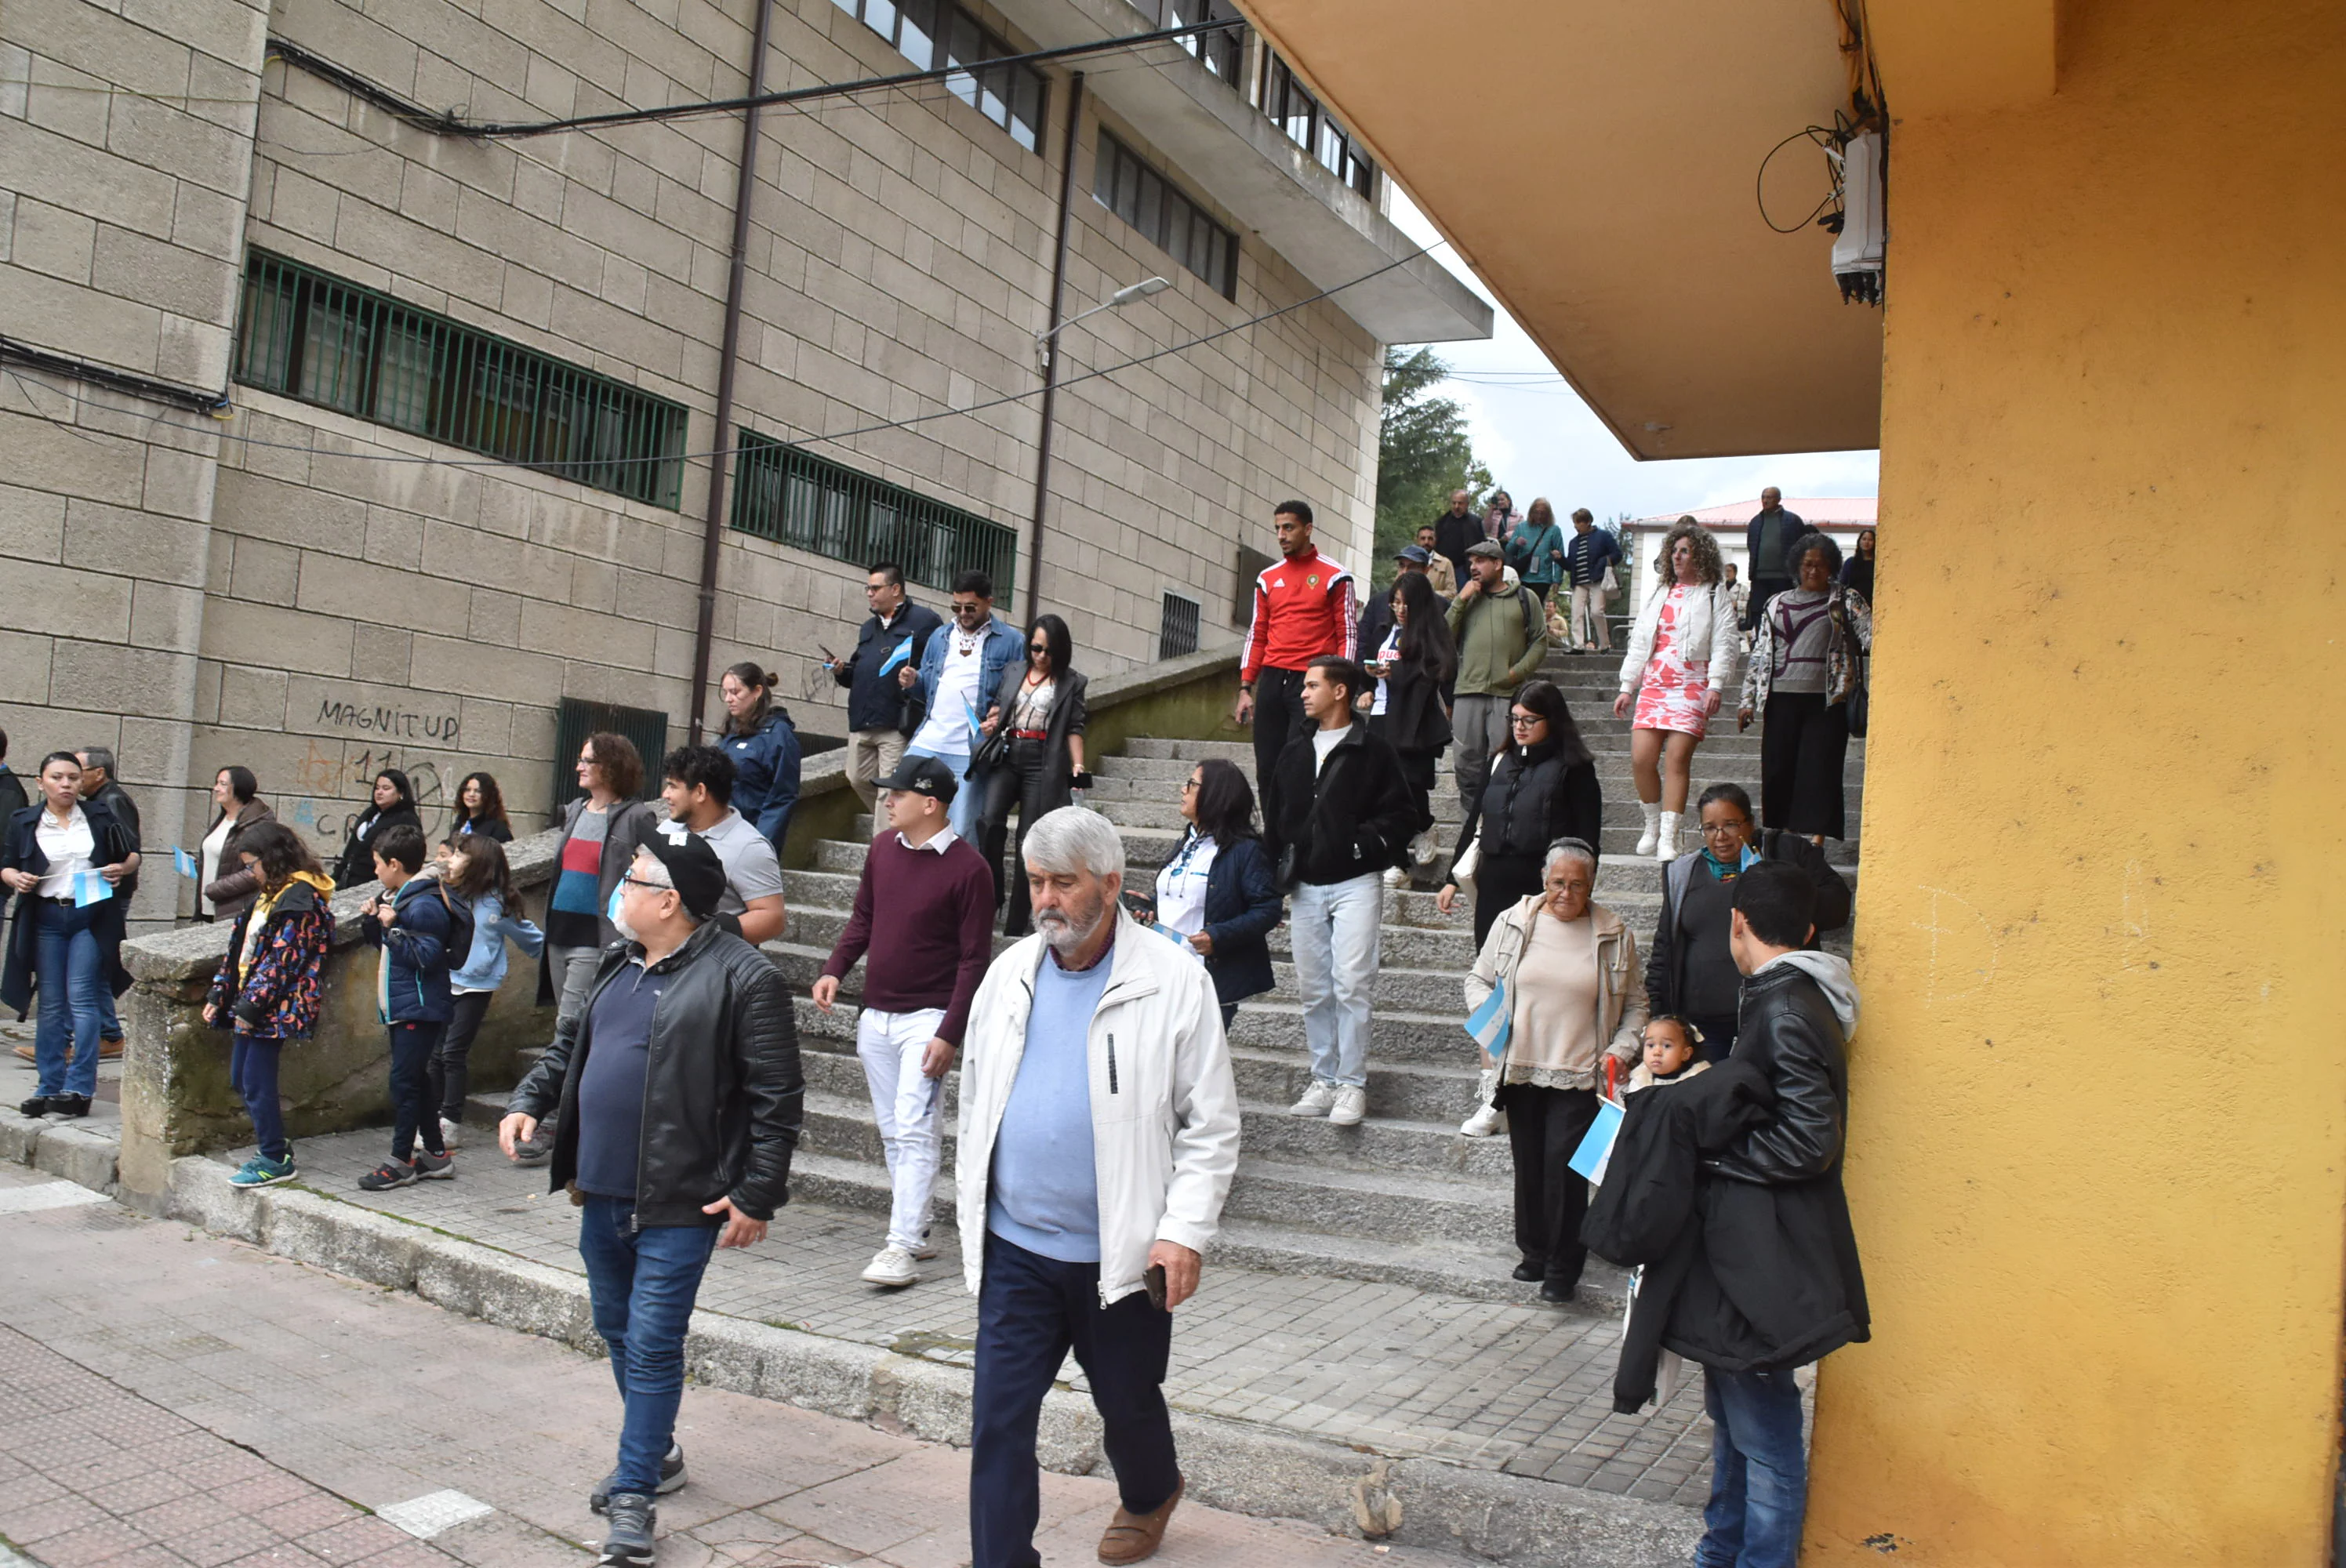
[[252, 1070], [70, 979], [1031, 1310], [962, 815], [109, 1023], [1759, 1470], [642, 1286], [1336, 929]]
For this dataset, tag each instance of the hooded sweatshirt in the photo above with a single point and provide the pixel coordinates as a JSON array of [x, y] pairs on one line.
[[1833, 977]]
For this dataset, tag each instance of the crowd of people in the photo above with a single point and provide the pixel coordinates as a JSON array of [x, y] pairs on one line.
[[1097, 1121]]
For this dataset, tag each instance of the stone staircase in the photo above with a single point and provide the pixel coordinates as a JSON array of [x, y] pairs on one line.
[[1403, 1197]]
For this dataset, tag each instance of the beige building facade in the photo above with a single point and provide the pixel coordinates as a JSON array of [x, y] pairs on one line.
[[459, 470]]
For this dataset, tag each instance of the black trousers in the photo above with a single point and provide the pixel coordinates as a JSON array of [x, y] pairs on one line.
[[1717, 1036], [411, 1045], [1802, 752], [1545, 1127], [1762, 590], [449, 1074], [1501, 881], [1021, 780], [1417, 769], [1278, 719]]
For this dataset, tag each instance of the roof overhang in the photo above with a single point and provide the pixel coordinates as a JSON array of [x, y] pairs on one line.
[[1596, 165], [1227, 151]]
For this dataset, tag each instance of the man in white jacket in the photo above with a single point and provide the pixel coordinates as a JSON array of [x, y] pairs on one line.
[[1099, 1129]]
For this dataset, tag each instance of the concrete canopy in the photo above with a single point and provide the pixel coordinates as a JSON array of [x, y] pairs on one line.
[[1596, 165]]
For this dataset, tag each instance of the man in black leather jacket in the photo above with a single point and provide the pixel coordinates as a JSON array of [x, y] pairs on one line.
[[680, 1094], [1773, 1282]]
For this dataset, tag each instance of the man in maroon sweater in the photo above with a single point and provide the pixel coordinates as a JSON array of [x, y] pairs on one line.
[[924, 922]]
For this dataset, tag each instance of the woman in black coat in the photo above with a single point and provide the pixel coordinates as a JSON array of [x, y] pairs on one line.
[[1042, 706], [1542, 789], [393, 806], [1414, 668], [1217, 890]]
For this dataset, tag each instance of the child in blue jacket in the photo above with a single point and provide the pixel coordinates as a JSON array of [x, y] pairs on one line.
[[476, 871], [419, 925]]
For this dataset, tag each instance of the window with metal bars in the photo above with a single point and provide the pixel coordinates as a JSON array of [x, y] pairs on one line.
[[1177, 626], [789, 495], [1128, 187], [310, 335], [937, 34], [575, 719]]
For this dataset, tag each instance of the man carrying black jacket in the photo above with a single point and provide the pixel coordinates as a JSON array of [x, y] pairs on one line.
[[894, 638], [1339, 814], [680, 1101]]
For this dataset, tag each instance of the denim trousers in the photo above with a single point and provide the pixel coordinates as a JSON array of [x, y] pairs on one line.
[[1031, 1311], [642, 1286], [70, 963], [1759, 1470], [411, 1113], [1336, 927], [252, 1062]]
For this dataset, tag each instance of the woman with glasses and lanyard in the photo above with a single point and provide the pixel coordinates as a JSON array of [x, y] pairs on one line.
[[1542, 789], [1042, 767], [1217, 890]]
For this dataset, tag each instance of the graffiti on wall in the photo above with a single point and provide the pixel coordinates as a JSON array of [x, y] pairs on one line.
[[335, 783]]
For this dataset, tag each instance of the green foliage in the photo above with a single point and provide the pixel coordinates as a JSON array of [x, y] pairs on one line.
[[1423, 454]]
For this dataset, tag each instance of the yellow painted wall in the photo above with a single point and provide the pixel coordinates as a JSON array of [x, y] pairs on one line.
[[2098, 1150]]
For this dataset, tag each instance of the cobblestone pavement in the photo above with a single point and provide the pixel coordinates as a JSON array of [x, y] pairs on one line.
[[1526, 1388], [168, 1399]]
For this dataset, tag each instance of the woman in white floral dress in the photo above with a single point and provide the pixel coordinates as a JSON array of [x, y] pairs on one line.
[[1680, 663]]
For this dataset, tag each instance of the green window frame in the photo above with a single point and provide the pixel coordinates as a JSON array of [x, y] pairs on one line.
[[789, 495], [322, 339]]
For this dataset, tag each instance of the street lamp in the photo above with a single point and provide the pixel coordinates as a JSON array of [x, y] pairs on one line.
[[1123, 296]]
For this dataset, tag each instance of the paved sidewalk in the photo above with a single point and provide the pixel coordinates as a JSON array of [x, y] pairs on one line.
[[1526, 1389], [169, 1399]]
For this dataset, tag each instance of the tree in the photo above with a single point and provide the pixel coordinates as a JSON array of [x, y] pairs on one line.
[[1422, 453]]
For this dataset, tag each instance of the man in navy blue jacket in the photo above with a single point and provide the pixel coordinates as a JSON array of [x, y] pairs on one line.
[[1586, 555], [422, 930], [894, 638], [1769, 542]]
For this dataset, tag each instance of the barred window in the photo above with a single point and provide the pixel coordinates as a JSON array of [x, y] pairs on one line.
[[937, 34], [312, 336], [1145, 198], [1177, 627], [789, 495]]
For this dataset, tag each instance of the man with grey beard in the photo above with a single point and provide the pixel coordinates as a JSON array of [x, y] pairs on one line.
[[1099, 1129]]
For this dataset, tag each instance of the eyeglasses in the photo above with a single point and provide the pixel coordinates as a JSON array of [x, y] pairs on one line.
[[647, 887], [1525, 720], [1188, 785], [1724, 830]]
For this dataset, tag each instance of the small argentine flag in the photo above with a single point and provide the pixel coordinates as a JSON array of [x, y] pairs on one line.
[[184, 861], [1493, 1023], [903, 651]]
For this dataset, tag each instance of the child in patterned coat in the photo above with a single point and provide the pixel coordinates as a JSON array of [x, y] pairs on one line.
[[268, 984]]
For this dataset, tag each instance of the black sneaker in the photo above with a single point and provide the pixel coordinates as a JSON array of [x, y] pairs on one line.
[[671, 1479], [1530, 1273], [627, 1541], [430, 1166], [69, 1106], [387, 1175], [1557, 1292], [36, 1107]]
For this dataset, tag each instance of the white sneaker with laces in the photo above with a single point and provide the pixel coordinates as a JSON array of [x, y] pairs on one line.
[[1351, 1105], [452, 1134], [1317, 1101], [1395, 877], [1488, 1121], [1426, 848], [892, 1266]]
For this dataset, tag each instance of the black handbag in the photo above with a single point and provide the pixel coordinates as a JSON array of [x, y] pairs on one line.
[[1858, 701], [991, 753]]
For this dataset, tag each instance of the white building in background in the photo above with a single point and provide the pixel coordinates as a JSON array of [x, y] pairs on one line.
[[1841, 517]]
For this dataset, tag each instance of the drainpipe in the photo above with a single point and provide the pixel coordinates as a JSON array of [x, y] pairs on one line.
[[728, 357], [1050, 351]]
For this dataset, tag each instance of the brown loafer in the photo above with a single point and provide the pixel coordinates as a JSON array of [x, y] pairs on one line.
[[1134, 1537]]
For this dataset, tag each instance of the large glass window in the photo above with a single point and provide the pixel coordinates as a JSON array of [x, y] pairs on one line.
[[1136, 193], [312, 336], [937, 34]]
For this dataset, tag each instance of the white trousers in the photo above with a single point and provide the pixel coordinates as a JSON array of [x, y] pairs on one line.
[[1336, 929], [909, 1109]]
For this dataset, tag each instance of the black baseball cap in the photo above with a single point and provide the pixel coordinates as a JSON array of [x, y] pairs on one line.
[[693, 867], [924, 776]]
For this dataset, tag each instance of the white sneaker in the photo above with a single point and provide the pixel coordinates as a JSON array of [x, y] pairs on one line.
[[1317, 1100], [452, 1134], [892, 1266], [1426, 849], [1351, 1105], [1395, 877], [1652, 832], [926, 1251], [1488, 1121]]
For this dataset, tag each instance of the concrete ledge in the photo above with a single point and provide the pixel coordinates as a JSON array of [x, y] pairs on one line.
[[1229, 1464], [66, 1150]]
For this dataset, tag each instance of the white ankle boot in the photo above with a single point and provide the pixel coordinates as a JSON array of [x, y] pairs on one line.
[[1666, 844], [1488, 1120], [1653, 829]]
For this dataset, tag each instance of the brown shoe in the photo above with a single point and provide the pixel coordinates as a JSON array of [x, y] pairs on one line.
[[109, 1049], [1134, 1537], [26, 1051]]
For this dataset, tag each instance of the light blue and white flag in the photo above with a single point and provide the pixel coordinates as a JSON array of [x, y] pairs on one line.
[[1596, 1150], [184, 861], [903, 651], [1492, 1024]]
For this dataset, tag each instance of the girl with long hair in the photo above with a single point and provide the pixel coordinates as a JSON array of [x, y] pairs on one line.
[[1410, 707], [481, 811], [270, 984], [390, 804], [1543, 789], [764, 747], [478, 871], [1043, 707], [1681, 662]]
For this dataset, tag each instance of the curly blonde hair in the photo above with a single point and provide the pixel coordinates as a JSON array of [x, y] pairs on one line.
[[1705, 554]]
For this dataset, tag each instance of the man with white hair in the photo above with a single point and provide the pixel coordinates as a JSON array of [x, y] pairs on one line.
[[1098, 1133]]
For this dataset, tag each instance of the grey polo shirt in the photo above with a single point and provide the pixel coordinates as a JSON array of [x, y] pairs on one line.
[[752, 870]]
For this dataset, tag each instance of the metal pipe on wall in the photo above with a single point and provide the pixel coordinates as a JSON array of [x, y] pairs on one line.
[[728, 359], [1050, 351]]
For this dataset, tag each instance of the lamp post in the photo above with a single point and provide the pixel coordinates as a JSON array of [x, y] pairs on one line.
[[1123, 296]]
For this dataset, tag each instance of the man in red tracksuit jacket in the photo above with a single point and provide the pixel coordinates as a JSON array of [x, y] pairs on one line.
[[1304, 606]]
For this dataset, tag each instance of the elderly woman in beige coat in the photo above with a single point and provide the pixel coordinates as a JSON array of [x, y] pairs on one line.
[[1569, 967]]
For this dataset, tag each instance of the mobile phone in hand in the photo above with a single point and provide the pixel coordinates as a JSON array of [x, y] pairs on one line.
[[1155, 1281]]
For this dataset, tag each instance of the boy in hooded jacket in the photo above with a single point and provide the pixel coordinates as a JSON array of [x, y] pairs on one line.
[[422, 930]]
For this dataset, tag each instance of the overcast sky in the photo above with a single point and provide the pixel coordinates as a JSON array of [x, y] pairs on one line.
[[1539, 439]]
